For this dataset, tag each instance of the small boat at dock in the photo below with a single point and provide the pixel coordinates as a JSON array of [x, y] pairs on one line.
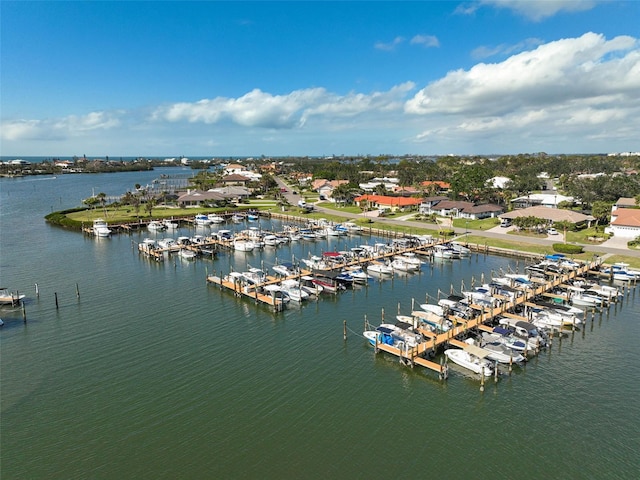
[[10, 298], [472, 358], [100, 228]]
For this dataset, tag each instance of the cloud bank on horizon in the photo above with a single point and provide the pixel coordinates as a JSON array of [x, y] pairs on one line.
[[575, 93]]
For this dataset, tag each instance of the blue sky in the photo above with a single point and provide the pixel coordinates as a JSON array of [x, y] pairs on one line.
[[157, 78]]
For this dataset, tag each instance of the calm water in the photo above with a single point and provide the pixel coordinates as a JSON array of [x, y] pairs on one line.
[[151, 373]]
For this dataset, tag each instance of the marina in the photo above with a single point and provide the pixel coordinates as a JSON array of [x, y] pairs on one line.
[[140, 360]]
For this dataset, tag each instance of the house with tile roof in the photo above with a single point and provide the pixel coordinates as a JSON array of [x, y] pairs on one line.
[[625, 222], [460, 209], [394, 204], [551, 215]]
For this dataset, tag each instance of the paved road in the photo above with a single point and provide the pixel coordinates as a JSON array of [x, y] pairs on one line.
[[613, 247]]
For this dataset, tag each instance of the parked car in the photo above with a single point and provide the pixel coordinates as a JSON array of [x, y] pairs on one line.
[[552, 231], [505, 222]]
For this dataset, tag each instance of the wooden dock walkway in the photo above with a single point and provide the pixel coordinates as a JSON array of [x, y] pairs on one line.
[[415, 355]]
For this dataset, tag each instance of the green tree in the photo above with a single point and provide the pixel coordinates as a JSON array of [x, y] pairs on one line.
[[601, 211]]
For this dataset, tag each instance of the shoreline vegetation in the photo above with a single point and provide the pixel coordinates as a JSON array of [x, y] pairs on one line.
[[77, 218]]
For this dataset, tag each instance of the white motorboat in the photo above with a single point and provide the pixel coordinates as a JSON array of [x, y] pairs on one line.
[[433, 322], [286, 269], [166, 243], [170, 225], [461, 249], [525, 331], [353, 228], [10, 298], [216, 218], [316, 263], [393, 336], [277, 293], [237, 218], [379, 268], [202, 219], [308, 285], [358, 274], [400, 265], [100, 228], [187, 254], [156, 226], [270, 240], [473, 358], [579, 296], [243, 245], [620, 271], [505, 337], [435, 309], [294, 290], [498, 352], [410, 257], [444, 252], [254, 275]]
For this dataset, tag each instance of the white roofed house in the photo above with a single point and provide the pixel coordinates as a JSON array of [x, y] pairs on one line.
[[548, 200]]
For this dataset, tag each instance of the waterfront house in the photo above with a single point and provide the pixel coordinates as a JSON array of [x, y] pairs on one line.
[[384, 202], [552, 215], [625, 219], [460, 209], [197, 198]]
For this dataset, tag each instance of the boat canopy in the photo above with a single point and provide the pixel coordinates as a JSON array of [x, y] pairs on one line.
[[477, 351]]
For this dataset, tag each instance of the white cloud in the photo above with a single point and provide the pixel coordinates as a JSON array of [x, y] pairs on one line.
[[390, 45], [260, 109], [560, 71], [426, 40], [254, 109], [484, 51], [574, 87], [535, 10], [60, 128]]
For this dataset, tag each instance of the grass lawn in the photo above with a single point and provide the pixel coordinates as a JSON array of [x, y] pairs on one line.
[[632, 261], [484, 224], [586, 236], [126, 214], [522, 246]]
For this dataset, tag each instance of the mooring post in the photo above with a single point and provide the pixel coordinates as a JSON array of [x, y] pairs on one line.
[[77, 291], [344, 329], [24, 313], [482, 380], [37, 291], [56, 297]]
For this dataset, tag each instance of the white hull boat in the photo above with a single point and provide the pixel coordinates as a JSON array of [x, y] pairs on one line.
[[243, 245], [100, 228], [202, 220], [156, 226], [10, 298], [379, 268], [187, 254], [470, 361]]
